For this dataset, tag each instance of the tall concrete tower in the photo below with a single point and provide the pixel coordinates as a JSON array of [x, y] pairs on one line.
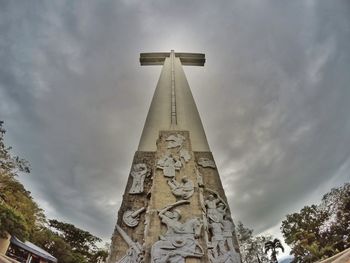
[[174, 207]]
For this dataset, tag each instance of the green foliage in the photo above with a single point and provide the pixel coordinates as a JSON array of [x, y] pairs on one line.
[[252, 248], [81, 242], [12, 222], [320, 231], [100, 256], [17, 203], [57, 245], [14, 195], [53, 244], [10, 165], [273, 246]]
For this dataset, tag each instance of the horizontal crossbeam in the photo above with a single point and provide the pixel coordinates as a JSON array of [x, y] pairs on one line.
[[157, 58]]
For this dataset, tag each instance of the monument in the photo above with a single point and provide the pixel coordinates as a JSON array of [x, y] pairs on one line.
[[174, 208]]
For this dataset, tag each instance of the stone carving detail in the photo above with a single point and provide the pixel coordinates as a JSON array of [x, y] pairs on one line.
[[169, 165], [184, 154], [215, 208], [134, 253], [138, 173], [131, 217], [228, 230], [220, 247], [175, 141], [205, 162], [184, 190], [180, 240], [199, 177]]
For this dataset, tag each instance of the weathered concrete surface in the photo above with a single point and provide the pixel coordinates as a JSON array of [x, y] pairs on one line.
[[5, 259], [162, 196], [4, 244], [130, 201], [157, 195], [342, 257]]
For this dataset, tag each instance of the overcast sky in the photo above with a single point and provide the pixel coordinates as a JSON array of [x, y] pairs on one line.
[[274, 97]]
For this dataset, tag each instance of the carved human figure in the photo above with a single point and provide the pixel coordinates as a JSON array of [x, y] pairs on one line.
[[179, 241], [206, 162], [228, 229], [199, 178], [169, 165], [175, 141], [227, 257], [221, 211], [138, 173], [215, 208], [184, 154], [217, 238], [222, 249], [184, 190]]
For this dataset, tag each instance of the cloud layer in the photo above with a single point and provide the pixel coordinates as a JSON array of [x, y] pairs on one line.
[[274, 98]]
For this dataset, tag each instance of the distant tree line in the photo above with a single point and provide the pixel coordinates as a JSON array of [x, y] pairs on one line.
[[20, 216], [314, 233]]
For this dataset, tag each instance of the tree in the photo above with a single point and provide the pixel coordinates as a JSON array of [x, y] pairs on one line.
[[273, 246], [12, 222], [19, 213], [14, 195], [337, 228], [320, 231], [252, 248], [66, 248], [81, 242], [100, 256], [55, 245], [10, 165]]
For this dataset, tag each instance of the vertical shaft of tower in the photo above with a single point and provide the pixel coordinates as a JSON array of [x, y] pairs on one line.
[[173, 107]]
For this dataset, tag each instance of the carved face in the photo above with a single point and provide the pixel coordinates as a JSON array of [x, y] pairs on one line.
[[177, 214], [221, 206]]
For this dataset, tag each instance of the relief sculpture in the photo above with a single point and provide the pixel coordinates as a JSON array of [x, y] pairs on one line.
[[134, 253], [228, 230], [215, 208], [180, 239], [221, 228], [221, 249], [131, 218], [138, 173], [184, 154], [206, 162], [169, 165], [199, 177], [175, 141], [183, 190]]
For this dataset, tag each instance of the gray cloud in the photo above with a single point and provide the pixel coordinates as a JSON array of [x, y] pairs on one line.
[[273, 97]]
